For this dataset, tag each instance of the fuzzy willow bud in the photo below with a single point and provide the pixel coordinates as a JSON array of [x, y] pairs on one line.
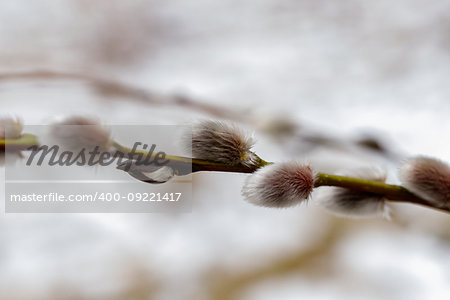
[[279, 185], [10, 128], [429, 178], [221, 142], [84, 133]]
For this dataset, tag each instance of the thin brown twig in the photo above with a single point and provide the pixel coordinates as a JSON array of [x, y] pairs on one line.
[[111, 87]]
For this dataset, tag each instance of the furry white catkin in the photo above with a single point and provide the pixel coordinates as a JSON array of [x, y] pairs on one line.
[[279, 185], [84, 133], [221, 142], [355, 204], [427, 177], [10, 128]]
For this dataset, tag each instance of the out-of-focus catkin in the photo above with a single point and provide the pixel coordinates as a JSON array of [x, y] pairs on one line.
[[428, 178], [355, 204]]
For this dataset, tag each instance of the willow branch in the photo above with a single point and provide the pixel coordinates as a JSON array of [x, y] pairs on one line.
[[185, 165], [395, 193]]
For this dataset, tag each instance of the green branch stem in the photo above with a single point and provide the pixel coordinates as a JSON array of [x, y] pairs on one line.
[[394, 193], [23, 143]]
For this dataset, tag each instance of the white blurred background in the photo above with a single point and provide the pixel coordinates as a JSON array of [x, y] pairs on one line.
[[339, 83]]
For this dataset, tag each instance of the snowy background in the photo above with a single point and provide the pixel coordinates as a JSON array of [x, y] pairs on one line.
[[316, 80]]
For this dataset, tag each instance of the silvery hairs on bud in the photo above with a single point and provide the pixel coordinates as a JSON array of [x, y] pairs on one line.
[[220, 142], [355, 204], [428, 178], [279, 185], [85, 133], [10, 128]]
